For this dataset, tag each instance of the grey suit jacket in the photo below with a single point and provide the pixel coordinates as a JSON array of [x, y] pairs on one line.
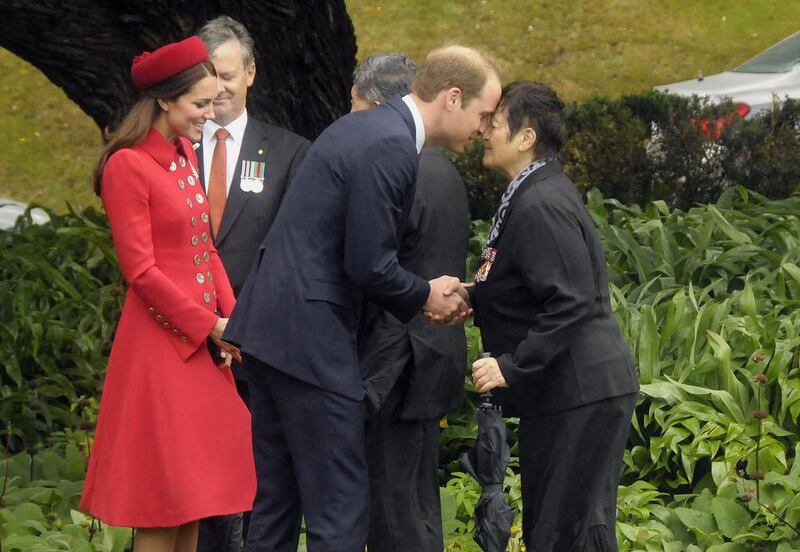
[[426, 359], [248, 216]]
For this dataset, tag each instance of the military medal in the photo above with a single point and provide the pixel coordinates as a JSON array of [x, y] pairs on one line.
[[252, 177]]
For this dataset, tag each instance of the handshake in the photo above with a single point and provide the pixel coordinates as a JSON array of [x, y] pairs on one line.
[[448, 301]]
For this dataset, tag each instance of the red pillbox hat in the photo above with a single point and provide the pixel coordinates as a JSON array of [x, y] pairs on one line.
[[150, 68]]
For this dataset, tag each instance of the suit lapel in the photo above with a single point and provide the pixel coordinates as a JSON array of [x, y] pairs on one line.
[[551, 168], [252, 143]]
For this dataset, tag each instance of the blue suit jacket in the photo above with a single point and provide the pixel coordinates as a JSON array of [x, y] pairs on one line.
[[334, 240]]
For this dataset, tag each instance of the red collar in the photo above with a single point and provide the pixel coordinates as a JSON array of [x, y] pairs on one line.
[[161, 149]]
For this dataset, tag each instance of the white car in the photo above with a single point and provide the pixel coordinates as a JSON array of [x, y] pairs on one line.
[[11, 210], [754, 86]]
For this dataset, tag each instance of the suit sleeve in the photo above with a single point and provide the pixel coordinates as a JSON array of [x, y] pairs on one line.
[[378, 184], [552, 256], [125, 194]]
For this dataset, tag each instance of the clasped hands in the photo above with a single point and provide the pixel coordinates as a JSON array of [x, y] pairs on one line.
[[227, 351], [448, 301]]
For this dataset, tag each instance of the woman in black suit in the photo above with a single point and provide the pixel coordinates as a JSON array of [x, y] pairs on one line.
[[557, 358]]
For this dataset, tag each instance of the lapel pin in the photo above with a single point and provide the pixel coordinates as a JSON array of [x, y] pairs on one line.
[[260, 151]]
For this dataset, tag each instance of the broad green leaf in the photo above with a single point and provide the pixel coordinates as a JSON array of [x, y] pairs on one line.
[[695, 519], [727, 228], [731, 518]]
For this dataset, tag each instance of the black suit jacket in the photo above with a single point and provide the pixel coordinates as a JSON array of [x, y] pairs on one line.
[[428, 359], [544, 309], [248, 216], [335, 240]]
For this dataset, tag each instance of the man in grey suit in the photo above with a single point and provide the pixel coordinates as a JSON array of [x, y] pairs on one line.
[[413, 373], [246, 166]]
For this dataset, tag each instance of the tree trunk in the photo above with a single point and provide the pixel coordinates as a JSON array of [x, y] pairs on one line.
[[305, 51]]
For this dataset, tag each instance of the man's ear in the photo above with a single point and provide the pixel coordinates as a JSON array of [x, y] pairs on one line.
[[251, 74], [453, 99]]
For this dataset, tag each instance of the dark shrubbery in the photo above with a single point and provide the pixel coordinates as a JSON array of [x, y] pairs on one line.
[[653, 146], [60, 297]]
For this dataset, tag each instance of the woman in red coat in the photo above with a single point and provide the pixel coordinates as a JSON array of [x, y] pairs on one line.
[[173, 442]]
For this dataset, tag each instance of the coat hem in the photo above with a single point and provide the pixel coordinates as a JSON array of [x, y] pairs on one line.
[[174, 522]]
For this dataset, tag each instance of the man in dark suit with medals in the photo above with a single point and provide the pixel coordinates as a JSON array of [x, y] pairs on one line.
[[334, 242], [413, 373], [246, 167]]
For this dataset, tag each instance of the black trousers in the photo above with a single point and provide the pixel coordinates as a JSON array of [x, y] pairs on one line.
[[310, 460], [570, 465], [225, 533], [403, 459]]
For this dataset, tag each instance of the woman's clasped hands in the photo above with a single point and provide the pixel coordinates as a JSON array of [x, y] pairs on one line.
[[227, 351]]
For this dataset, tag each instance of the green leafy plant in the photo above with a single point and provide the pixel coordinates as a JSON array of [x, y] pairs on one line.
[[60, 296]]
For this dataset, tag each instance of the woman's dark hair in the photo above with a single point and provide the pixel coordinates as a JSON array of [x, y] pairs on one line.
[[535, 105], [140, 118]]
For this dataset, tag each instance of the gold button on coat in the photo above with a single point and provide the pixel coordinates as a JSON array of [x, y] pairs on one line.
[[200, 278], [197, 260], [189, 202], [207, 297], [195, 240]]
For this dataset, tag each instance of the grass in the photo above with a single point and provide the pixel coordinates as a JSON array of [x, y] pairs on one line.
[[49, 144], [581, 47]]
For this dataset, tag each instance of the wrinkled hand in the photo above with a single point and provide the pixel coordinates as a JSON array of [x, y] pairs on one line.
[[486, 375], [447, 302], [228, 352]]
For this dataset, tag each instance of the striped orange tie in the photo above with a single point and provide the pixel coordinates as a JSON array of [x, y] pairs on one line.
[[217, 187]]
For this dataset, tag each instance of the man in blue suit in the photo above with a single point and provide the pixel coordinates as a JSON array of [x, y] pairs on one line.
[[333, 243]]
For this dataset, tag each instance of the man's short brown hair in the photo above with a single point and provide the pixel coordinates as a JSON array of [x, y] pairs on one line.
[[460, 67]]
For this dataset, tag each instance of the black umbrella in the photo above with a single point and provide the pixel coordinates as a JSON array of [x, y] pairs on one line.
[[486, 462]]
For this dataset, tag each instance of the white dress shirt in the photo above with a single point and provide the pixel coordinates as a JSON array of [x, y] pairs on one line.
[[233, 144], [420, 127]]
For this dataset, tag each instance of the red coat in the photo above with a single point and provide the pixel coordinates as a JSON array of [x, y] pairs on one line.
[[173, 441]]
